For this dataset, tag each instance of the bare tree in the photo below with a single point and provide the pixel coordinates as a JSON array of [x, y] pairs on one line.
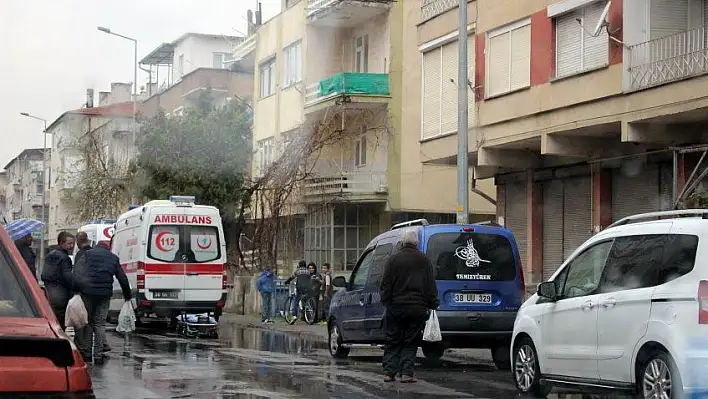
[[98, 182], [275, 196]]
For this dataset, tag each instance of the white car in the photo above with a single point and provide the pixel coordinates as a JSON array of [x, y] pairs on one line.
[[628, 310]]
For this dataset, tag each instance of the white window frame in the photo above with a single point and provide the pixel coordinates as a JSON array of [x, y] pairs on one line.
[[583, 30], [494, 33], [225, 57], [437, 45], [292, 70], [266, 78], [265, 151], [362, 51], [360, 147]]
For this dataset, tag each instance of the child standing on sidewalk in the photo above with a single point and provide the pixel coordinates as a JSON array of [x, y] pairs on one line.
[[266, 286]]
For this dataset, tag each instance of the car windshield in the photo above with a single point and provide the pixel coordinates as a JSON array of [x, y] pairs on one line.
[[15, 300], [471, 256]]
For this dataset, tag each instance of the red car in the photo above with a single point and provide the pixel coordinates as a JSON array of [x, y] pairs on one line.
[[37, 359]]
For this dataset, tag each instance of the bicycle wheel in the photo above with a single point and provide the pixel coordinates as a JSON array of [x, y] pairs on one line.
[[288, 315], [310, 310]]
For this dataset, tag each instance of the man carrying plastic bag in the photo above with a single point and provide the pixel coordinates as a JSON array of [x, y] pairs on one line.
[[126, 318], [76, 314], [432, 332], [408, 291], [99, 268]]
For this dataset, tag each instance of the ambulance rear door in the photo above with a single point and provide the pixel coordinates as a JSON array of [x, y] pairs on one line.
[[166, 256], [205, 267]]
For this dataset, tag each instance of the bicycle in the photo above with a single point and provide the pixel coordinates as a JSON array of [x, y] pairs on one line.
[[307, 305]]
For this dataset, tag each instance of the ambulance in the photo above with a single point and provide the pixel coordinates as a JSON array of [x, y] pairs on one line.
[[174, 255], [98, 231]]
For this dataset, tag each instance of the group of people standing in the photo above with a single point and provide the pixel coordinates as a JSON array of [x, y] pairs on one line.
[[308, 282], [90, 275]]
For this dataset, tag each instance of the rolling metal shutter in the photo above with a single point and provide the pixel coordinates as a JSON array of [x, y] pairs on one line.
[[569, 39], [499, 68], [431, 93], [666, 184], [596, 50], [520, 75], [635, 194], [516, 215], [667, 17], [577, 213], [448, 117], [552, 227]]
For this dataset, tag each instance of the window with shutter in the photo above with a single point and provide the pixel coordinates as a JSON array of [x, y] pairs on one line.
[[439, 92], [509, 58], [577, 50], [431, 93]]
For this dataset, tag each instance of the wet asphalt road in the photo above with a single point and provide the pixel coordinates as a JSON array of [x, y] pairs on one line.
[[252, 363]]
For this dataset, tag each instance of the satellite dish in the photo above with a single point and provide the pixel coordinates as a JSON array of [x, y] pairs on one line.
[[602, 21]]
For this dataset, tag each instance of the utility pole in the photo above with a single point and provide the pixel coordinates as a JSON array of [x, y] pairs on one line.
[[462, 129]]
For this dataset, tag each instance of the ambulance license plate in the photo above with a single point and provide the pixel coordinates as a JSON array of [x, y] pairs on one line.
[[165, 294]]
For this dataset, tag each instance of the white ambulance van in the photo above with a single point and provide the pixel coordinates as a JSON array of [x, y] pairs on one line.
[[174, 255], [98, 231]]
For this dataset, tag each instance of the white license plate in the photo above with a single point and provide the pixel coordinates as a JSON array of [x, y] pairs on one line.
[[165, 294], [472, 298]]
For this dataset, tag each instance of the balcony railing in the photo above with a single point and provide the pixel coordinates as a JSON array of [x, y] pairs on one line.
[[668, 59], [344, 13], [433, 8], [347, 183], [245, 48], [348, 83]]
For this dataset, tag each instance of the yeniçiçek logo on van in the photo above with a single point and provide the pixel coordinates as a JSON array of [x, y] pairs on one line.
[[470, 255]]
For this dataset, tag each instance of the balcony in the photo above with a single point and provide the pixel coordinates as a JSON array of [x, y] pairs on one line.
[[432, 8], [348, 185], [246, 47], [345, 13], [356, 87], [668, 59]]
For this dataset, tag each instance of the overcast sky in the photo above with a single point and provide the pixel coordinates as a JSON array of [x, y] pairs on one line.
[[51, 52]]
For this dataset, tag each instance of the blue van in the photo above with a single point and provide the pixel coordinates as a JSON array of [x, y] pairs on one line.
[[480, 286]]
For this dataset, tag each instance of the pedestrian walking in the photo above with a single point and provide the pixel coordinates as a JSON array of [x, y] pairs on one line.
[[315, 286], [302, 284], [24, 245], [326, 275], [83, 244], [266, 286], [408, 291], [99, 266], [57, 275]]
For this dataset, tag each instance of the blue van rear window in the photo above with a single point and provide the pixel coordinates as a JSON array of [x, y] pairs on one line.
[[471, 256]]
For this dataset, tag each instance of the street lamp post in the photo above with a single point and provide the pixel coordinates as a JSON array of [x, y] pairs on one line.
[[135, 75], [44, 187]]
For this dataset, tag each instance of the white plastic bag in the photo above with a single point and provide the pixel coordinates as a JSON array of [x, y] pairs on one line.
[[76, 314], [126, 318], [432, 329]]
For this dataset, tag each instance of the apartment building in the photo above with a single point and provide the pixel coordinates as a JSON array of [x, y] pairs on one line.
[[181, 70], [24, 182], [342, 61], [112, 125], [588, 111]]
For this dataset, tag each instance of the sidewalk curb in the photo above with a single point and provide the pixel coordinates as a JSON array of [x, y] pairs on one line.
[[242, 321]]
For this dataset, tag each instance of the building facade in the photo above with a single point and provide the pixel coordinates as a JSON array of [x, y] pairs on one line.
[[112, 125], [588, 111], [190, 66], [342, 63], [24, 182]]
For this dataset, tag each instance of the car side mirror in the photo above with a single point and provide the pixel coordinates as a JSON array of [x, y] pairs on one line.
[[548, 290], [339, 281]]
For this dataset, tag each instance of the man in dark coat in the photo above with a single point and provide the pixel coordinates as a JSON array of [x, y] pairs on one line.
[[98, 267], [57, 275], [24, 245], [83, 244], [409, 292]]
